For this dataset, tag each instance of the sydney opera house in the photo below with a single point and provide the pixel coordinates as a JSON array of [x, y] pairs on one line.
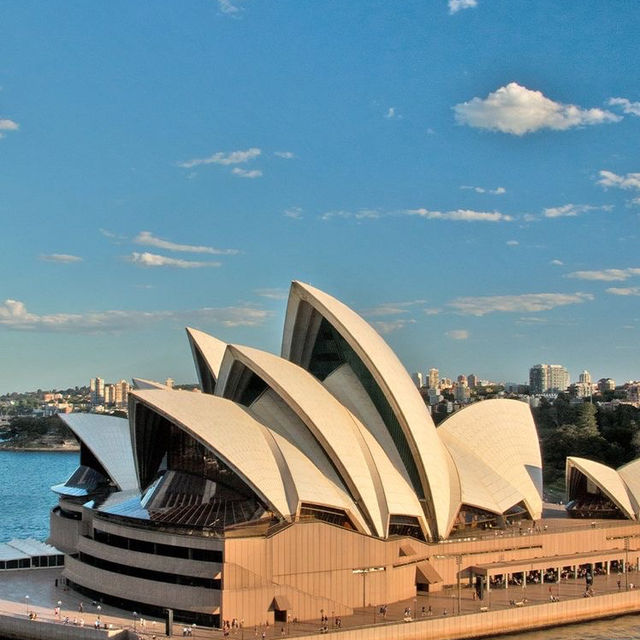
[[314, 481]]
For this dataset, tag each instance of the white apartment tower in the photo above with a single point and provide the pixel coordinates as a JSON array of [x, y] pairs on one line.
[[548, 378], [434, 379]]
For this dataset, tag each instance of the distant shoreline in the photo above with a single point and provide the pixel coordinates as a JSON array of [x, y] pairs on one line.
[[72, 449]]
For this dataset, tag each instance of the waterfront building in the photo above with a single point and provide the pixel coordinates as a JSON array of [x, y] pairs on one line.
[[606, 384], [314, 480], [434, 379], [417, 379]]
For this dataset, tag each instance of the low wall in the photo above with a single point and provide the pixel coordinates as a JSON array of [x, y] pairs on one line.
[[25, 629], [491, 623]]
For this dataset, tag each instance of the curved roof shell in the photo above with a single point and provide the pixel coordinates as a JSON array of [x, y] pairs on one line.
[[404, 400], [495, 446], [608, 480], [344, 440], [207, 355], [630, 473], [277, 471], [108, 438]]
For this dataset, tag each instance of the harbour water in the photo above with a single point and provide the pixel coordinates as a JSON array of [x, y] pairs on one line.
[[25, 494], [26, 499]]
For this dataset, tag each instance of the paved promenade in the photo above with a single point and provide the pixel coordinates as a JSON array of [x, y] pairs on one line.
[[35, 591]]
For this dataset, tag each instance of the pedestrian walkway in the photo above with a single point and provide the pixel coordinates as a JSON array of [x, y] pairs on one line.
[[35, 591]]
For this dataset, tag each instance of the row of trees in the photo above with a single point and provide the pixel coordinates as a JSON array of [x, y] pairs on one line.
[[610, 436]]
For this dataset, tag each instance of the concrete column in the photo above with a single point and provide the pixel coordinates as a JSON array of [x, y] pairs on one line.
[[542, 572], [575, 571], [506, 584], [607, 567], [558, 572], [524, 578]]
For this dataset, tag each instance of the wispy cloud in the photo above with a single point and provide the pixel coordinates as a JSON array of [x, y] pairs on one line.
[[222, 158], [461, 215], [62, 258], [624, 291], [154, 260], [392, 308], [246, 173], [498, 191], [385, 327], [556, 263], [293, 212], [230, 7], [392, 114], [632, 108], [7, 125], [524, 303], [15, 316], [287, 155], [148, 239], [605, 275], [457, 334], [512, 243], [627, 181], [116, 237], [360, 214], [517, 110], [572, 210], [273, 294], [459, 5]]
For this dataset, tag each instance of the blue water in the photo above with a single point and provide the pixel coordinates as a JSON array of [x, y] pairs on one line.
[[25, 494]]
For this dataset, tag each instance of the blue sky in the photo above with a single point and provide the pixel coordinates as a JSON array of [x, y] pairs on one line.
[[464, 173]]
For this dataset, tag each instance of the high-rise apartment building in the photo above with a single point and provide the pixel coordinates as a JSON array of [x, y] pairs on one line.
[[434, 379], [96, 386], [417, 379], [548, 378]]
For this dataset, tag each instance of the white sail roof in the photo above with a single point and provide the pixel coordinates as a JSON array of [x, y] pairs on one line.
[[501, 436], [607, 479], [393, 380], [211, 349], [108, 438]]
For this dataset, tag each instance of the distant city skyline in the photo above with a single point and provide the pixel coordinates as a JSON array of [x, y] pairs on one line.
[[465, 175]]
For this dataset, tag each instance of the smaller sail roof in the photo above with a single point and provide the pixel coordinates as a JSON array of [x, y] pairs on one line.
[[108, 438], [607, 479]]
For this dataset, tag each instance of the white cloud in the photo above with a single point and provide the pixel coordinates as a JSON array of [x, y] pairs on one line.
[[624, 291], [392, 325], [7, 125], [245, 173], [287, 155], [63, 258], [361, 214], [528, 303], [273, 294], [557, 263], [14, 315], [229, 7], [233, 157], [517, 110], [605, 275], [293, 212], [464, 215], [432, 311], [627, 181], [154, 260], [512, 243], [457, 334], [498, 191], [148, 239], [392, 114], [632, 108], [571, 210], [459, 5]]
